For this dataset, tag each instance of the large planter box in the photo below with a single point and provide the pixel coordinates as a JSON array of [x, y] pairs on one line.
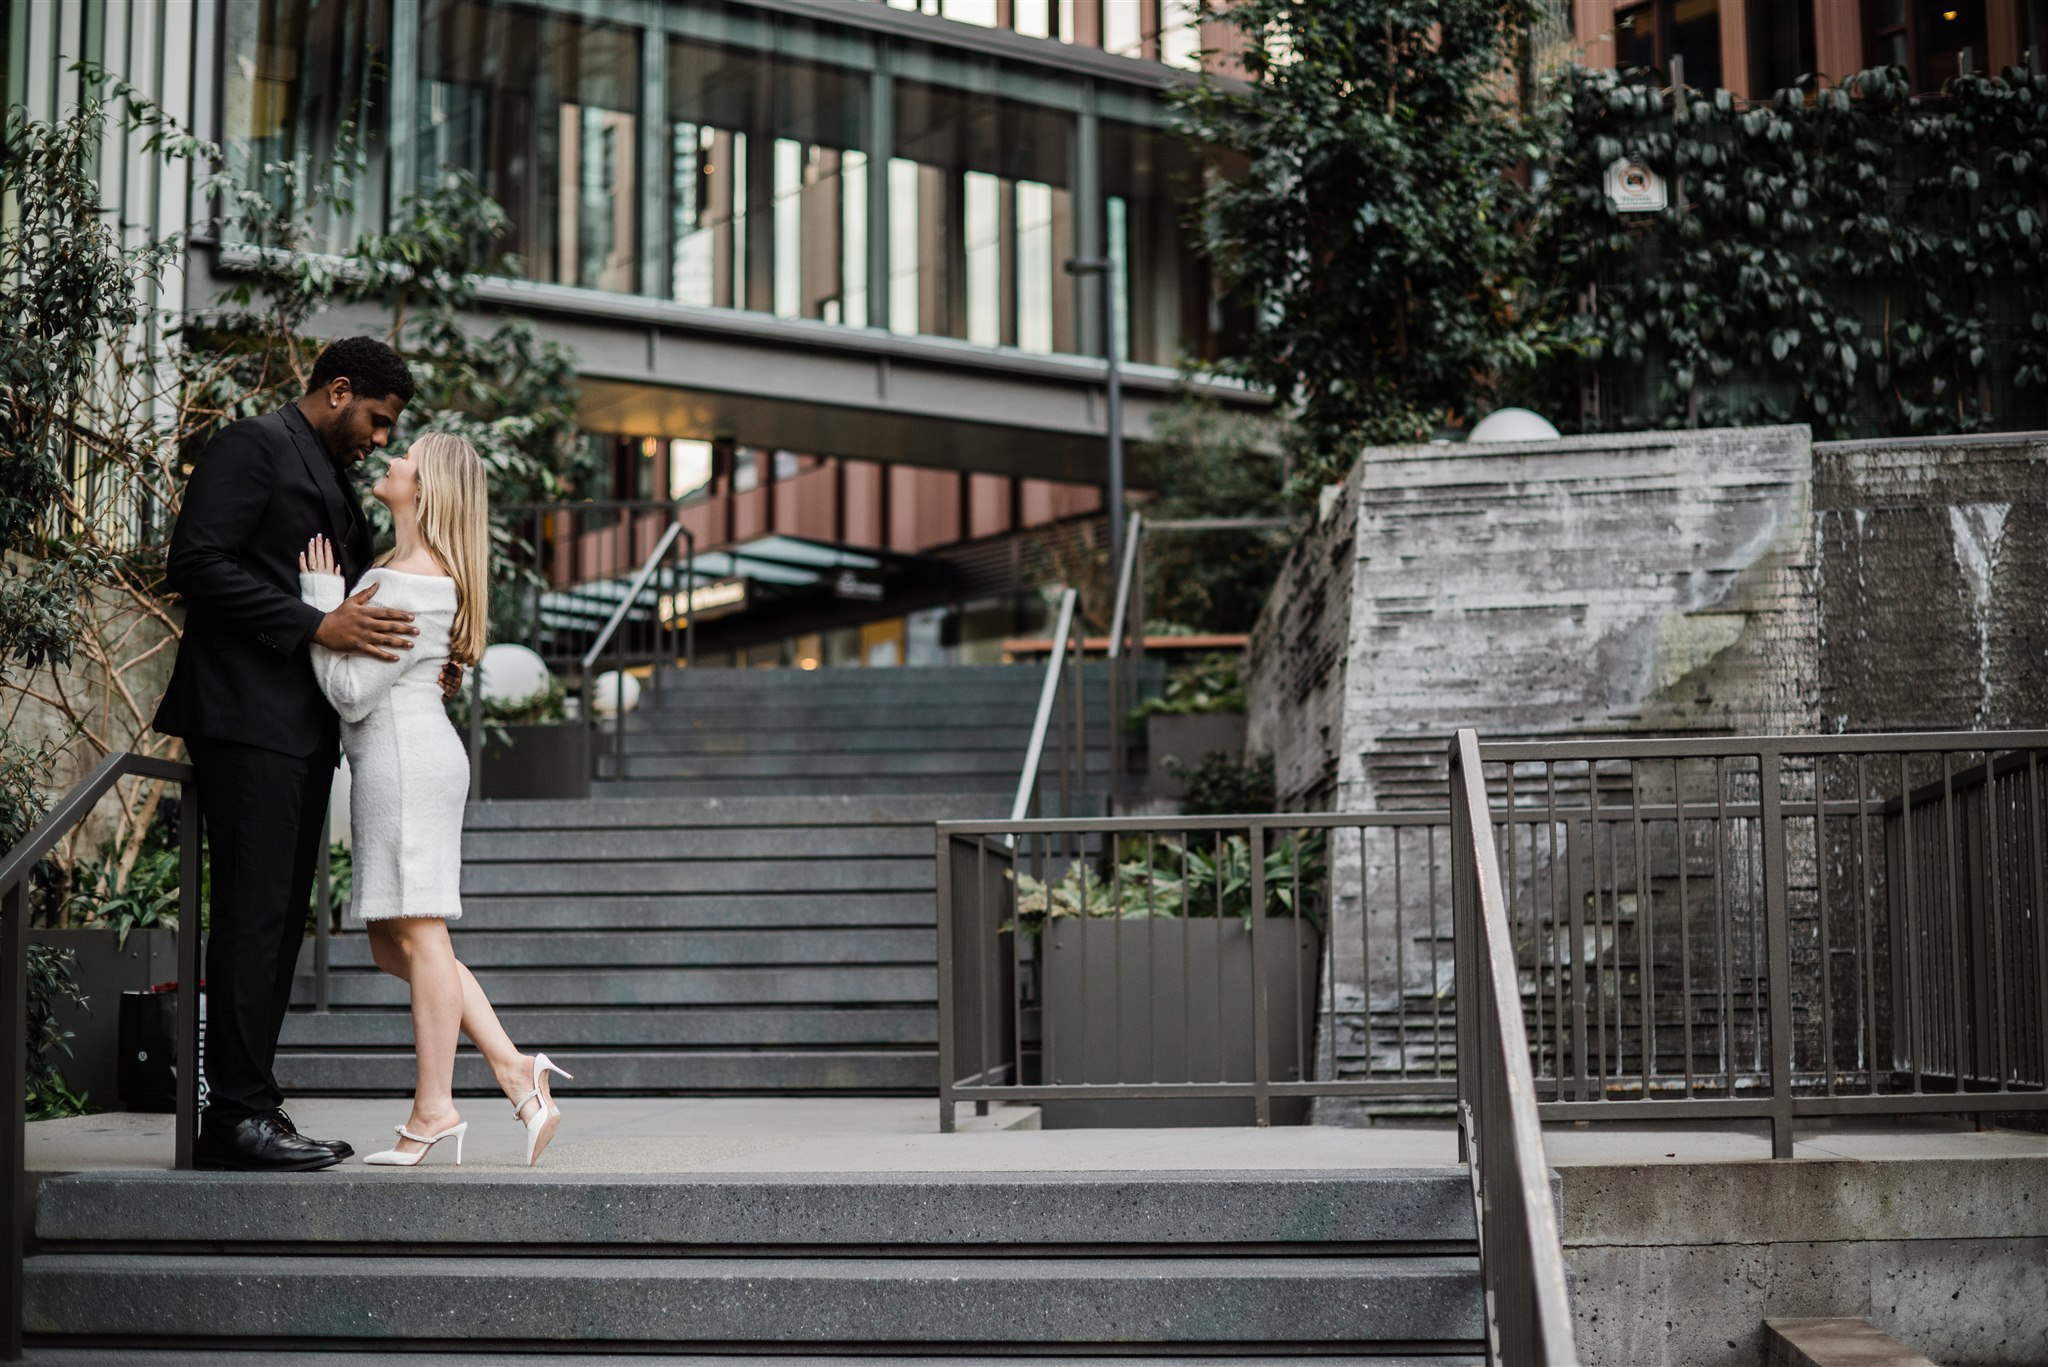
[[536, 762], [104, 968], [1163, 1000], [1175, 745]]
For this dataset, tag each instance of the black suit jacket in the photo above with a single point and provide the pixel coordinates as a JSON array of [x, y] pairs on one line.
[[259, 491]]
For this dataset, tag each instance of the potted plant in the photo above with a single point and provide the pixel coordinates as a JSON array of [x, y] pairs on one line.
[[1146, 973], [1200, 713], [118, 933], [529, 748]]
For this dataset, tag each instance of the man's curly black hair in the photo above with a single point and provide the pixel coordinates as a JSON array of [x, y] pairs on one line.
[[372, 368]]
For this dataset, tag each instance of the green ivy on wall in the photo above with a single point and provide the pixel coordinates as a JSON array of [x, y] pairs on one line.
[[1865, 260]]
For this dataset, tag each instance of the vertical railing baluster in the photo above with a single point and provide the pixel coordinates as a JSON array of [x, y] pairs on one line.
[[1727, 973], [2039, 868], [14, 1211], [1952, 868], [1778, 931], [1684, 916], [1400, 956], [1436, 988], [1995, 1018], [1866, 1000], [1916, 1006], [1820, 877], [1646, 934], [1262, 1049]]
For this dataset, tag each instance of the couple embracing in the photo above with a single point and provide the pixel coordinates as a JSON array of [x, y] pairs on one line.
[[297, 643]]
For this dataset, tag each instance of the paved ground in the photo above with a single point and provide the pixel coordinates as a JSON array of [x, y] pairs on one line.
[[778, 1134]]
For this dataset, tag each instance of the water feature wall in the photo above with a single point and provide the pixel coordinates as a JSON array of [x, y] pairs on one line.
[[1719, 582]]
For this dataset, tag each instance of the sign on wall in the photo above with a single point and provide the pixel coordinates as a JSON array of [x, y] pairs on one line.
[[1635, 188]]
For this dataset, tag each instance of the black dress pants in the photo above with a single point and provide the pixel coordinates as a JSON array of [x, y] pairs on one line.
[[265, 815]]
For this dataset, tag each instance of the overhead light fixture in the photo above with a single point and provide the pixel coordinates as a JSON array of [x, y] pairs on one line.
[[1949, 15]]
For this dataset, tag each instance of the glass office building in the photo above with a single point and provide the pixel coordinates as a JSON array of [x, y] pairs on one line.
[[811, 254]]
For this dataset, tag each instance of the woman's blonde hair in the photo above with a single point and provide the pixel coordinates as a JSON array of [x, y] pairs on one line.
[[455, 523]]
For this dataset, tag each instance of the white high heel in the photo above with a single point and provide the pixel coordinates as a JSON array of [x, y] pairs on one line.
[[541, 1125], [401, 1158]]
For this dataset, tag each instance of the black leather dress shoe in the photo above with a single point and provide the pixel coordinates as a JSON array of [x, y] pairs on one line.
[[340, 1148], [260, 1143]]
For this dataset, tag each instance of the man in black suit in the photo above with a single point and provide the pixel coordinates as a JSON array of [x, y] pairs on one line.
[[262, 735]]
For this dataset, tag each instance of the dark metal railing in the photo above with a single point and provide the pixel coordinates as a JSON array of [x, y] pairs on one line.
[[1500, 1137], [1121, 959], [1063, 673], [1780, 927], [670, 617], [1126, 653], [17, 1201]]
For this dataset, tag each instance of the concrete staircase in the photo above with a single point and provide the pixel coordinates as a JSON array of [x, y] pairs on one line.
[[949, 729], [697, 945], [1372, 1265], [749, 909]]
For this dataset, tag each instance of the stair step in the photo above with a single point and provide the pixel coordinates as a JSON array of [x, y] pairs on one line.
[[654, 987], [823, 770], [762, 1301], [903, 784], [483, 949], [683, 843], [1427, 1209], [217, 1357], [1009, 741], [695, 911], [873, 1071], [616, 876], [634, 1028], [795, 809]]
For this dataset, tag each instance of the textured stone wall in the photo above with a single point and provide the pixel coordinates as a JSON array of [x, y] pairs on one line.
[[1931, 571], [1296, 665]]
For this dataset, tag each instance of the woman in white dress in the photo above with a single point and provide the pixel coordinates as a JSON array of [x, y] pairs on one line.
[[409, 780]]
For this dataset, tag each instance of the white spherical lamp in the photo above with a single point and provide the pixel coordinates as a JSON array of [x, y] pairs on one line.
[[513, 674], [1513, 424], [606, 700]]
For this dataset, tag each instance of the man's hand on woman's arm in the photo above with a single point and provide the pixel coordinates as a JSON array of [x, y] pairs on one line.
[[356, 628]]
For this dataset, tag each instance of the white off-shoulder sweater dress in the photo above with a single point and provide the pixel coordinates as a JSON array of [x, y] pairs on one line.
[[408, 772]]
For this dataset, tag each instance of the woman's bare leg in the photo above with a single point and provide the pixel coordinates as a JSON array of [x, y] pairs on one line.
[[420, 944], [512, 1069]]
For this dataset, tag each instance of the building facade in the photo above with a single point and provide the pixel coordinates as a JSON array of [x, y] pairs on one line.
[[1752, 48], [810, 254]]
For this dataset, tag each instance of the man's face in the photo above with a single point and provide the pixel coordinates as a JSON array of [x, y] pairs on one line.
[[360, 425]]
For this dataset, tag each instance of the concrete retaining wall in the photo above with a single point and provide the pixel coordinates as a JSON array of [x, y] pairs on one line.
[[1680, 1263]]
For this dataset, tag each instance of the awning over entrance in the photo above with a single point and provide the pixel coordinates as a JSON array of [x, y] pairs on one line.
[[769, 572]]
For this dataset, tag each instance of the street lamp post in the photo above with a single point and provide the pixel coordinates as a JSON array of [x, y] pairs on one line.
[[1105, 269]]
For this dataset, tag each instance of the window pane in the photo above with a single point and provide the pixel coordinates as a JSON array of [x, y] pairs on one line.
[[1781, 45], [1166, 303], [1696, 38], [767, 185], [981, 215], [1635, 38], [1951, 41], [1123, 27], [295, 74], [544, 109], [1180, 33]]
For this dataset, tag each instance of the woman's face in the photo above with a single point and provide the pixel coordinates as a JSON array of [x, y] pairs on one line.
[[399, 486]]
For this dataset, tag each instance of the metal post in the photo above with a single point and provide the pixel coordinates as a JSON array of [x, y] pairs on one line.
[[1778, 928], [322, 919], [689, 599], [1262, 1082], [188, 975], [476, 731], [14, 1077], [1112, 380]]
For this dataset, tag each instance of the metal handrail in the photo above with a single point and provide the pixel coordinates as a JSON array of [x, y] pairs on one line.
[[648, 568], [1048, 700], [1123, 669], [16, 1199], [1500, 1136]]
